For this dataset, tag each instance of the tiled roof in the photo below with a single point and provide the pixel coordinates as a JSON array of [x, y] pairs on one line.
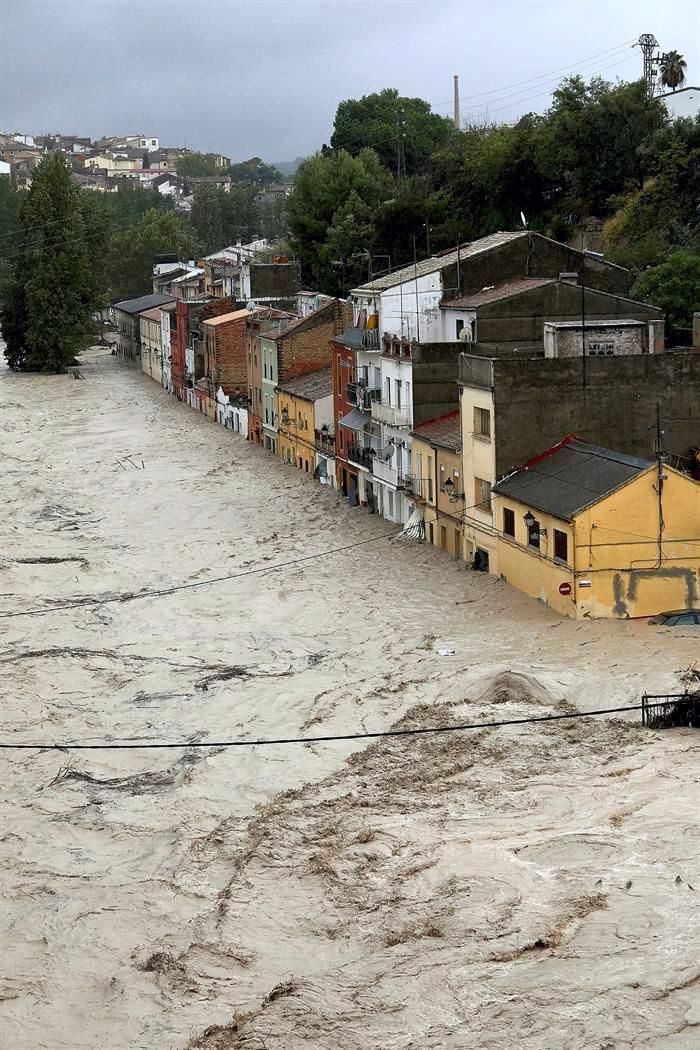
[[144, 302], [569, 477], [444, 432], [439, 262], [303, 322], [493, 294], [310, 387]]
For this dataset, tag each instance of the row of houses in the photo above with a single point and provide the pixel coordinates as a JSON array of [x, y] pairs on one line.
[[499, 400]]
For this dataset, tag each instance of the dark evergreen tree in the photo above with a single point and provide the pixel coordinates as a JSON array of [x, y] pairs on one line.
[[51, 291]]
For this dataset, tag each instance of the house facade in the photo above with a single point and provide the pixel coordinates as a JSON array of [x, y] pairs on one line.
[[225, 358], [151, 343], [304, 409], [126, 320], [597, 533], [512, 406], [435, 481]]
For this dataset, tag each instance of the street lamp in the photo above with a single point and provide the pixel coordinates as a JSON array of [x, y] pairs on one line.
[[529, 520]]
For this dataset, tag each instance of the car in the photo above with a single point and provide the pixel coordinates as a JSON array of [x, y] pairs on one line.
[[680, 618]]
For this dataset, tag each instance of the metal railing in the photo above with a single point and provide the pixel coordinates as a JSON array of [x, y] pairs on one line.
[[665, 710], [363, 457], [390, 414], [475, 371], [386, 471]]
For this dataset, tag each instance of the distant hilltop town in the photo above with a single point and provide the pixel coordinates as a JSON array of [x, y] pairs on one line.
[[104, 164]]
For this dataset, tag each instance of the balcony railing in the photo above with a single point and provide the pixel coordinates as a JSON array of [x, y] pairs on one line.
[[390, 415], [476, 371], [363, 457], [361, 396], [387, 471]]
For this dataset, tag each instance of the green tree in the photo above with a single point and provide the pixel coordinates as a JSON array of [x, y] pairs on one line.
[[323, 185], [132, 251], [254, 172], [197, 164], [674, 286], [672, 67], [207, 219], [51, 292], [377, 121], [241, 220]]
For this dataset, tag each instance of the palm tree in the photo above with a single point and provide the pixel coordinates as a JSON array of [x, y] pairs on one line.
[[672, 66]]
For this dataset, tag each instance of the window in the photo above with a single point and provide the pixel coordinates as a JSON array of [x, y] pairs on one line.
[[459, 325], [398, 393], [482, 423], [561, 546], [387, 391], [340, 378], [482, 492], [533, 534], [508, 522]]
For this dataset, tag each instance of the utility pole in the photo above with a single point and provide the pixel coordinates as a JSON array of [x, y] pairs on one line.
[[400, 145], [583, 330], [457, 117], [647, 42], [660, 478]]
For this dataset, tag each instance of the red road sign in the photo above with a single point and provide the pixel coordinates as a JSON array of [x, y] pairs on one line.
[[565, 588]]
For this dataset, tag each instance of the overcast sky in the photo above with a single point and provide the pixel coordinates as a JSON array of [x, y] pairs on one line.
[[263, 77]]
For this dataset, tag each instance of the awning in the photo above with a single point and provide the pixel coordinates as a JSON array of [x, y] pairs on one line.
[[355, 420]]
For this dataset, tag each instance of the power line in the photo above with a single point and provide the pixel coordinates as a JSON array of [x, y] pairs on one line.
[[135, 745], [129, 596]]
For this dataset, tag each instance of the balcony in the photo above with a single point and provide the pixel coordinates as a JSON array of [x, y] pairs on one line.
[[361, 396], [361, 457], [387, 471], [390, 415]]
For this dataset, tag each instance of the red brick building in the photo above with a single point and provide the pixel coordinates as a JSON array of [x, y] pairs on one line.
[[225, 355], [188, 336]]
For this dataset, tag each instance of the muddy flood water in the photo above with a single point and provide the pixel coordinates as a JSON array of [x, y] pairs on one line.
[[535, 886]]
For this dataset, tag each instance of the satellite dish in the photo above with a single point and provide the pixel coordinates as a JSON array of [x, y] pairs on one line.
[[523, 219], [250, 305]]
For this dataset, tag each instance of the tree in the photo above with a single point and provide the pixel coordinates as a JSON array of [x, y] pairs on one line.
[[51, 291], [673, 285], [132, 251], [672, 66], [207, 218], [197, 164], [322, 187], [255, 172], [376, 121]]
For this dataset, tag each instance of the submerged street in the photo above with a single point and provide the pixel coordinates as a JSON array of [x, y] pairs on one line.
[[532, 885]]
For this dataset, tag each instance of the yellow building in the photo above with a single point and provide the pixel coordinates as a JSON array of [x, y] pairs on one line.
[[304, 416], [480, 540], [436, 482], [596, 533]]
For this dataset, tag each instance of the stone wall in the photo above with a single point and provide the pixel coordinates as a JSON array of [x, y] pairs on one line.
[[519, 321], [538, 402], [537, 256]]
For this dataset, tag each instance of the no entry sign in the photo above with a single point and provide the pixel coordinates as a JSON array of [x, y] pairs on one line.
[[565, 588]]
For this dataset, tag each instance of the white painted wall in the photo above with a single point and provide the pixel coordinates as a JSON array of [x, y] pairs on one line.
[[323, 412], [165, 358]]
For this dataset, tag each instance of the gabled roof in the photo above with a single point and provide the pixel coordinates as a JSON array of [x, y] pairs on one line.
[[152, 315], [310, 387], [569, 477], [494, 293], [144, 302], [439, 262], [306, 322], [441, 432]]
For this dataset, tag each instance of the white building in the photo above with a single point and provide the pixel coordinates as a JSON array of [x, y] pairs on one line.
[[167, 316]]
